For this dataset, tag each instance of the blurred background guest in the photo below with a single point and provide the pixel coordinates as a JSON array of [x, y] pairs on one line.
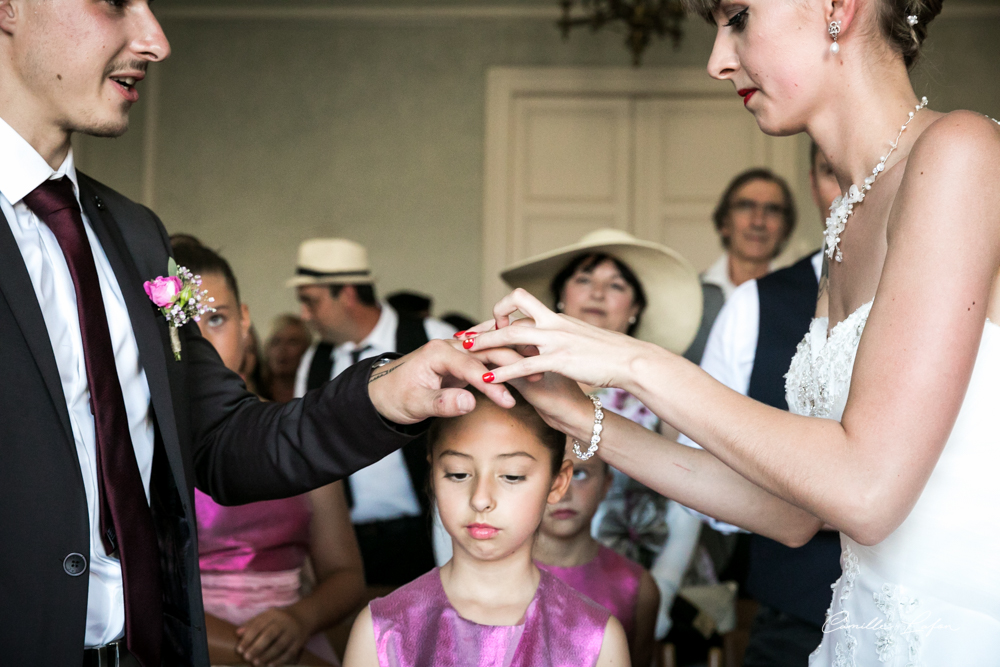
[[754, 219], [389, 505], [263, 603], [612, 280], [288, 341], [750, 350]]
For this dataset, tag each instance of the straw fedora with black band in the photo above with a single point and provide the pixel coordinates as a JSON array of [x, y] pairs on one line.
[[673, 291], [331, 262]]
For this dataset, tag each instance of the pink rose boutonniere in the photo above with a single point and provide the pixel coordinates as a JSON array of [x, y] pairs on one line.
[[179, 299]]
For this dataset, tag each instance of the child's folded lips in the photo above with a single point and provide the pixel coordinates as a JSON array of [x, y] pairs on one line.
[[482, 531], [564, 513]]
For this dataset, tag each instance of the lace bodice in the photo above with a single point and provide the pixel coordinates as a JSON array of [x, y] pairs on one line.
[[929, 594], [819, 377]]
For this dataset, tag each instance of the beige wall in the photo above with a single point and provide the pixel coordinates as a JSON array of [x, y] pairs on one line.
[[269, 125]]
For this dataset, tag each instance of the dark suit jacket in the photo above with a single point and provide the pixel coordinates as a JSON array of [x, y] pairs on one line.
[[210, 432]]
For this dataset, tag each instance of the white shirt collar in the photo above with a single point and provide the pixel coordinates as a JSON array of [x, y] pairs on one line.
[[22, 168], [718, 274], [817, 262], [382, 338]]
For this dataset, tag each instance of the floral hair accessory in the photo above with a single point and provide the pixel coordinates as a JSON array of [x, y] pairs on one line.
[[180, 299]]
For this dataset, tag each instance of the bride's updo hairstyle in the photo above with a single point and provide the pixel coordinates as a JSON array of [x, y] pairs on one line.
[[892, 17]]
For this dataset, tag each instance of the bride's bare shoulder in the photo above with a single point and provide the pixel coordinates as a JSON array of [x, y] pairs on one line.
[[957, 141], [950, 178]]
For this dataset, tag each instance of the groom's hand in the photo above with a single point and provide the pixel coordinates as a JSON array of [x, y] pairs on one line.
[[429, 382]]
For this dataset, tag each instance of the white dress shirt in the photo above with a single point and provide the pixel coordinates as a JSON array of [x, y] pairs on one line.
[[732, 348], [383, 490], [718, 274], [22, 169]]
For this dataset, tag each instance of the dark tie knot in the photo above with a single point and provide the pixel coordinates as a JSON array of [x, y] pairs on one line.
[[51, 197]]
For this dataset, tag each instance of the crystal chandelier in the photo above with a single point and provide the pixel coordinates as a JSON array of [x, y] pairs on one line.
[[641, 18]]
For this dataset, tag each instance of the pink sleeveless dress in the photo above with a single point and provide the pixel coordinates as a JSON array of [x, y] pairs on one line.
[[610, 580], [416, 626], [251, 559]]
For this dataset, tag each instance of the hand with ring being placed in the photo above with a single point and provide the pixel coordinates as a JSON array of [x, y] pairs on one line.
[[558, 400], [429, 382], [564, 345]]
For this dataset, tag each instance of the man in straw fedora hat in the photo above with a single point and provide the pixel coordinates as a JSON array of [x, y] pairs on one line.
[[390, 512]]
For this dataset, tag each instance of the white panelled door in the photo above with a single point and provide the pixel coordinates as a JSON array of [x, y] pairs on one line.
[[569, 151], [572, 170], [687, 152]]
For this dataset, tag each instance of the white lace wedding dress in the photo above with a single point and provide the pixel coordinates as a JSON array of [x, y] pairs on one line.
[[929, 594]]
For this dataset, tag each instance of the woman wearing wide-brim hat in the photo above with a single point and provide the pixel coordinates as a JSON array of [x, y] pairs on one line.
[[615, 281], [665, 287]]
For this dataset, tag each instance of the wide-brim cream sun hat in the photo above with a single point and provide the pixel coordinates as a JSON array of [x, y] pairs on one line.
[[331, 262], [673, 291]]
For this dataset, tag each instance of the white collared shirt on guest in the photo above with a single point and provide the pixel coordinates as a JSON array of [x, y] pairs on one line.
[[383, 490], [732, 349], [22, 169], [718, 274]]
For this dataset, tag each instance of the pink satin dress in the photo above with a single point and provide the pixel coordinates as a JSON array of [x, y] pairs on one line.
[[251, 559], [610, 580], [416, 626]]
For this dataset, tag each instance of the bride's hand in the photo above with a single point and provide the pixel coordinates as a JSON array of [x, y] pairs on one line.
[[559, 400], [564, 345]]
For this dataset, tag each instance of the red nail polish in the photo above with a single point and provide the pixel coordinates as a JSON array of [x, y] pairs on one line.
[[488, 377], [459, 334], [468, 343]]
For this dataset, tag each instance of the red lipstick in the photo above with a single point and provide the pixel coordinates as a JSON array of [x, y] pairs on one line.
[[481, 531], [746, 94]]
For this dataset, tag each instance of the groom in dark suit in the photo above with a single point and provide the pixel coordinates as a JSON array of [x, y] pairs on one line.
[[103, 434]]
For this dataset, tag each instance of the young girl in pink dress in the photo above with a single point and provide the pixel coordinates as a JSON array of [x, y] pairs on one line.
[[566, 549], [493, 471]]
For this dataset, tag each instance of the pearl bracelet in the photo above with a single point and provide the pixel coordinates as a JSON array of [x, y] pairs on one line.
[[596, 437]]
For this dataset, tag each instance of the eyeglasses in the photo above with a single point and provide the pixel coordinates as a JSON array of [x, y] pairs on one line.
[[750, 208]]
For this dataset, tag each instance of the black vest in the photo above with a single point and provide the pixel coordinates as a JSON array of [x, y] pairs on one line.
[[794, 581], [410, 334]]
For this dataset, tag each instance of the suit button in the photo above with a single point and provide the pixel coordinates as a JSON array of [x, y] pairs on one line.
[[75, 565]]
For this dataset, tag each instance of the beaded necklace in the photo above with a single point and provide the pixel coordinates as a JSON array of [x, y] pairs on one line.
[[843, 206]]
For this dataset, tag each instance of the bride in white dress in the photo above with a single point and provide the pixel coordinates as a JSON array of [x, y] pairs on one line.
[[894, 435]]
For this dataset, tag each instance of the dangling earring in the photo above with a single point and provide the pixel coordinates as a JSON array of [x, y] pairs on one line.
[[560, 306], [835, 32]]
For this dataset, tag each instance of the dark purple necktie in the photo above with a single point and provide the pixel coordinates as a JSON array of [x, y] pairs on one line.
[[126, 521]]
